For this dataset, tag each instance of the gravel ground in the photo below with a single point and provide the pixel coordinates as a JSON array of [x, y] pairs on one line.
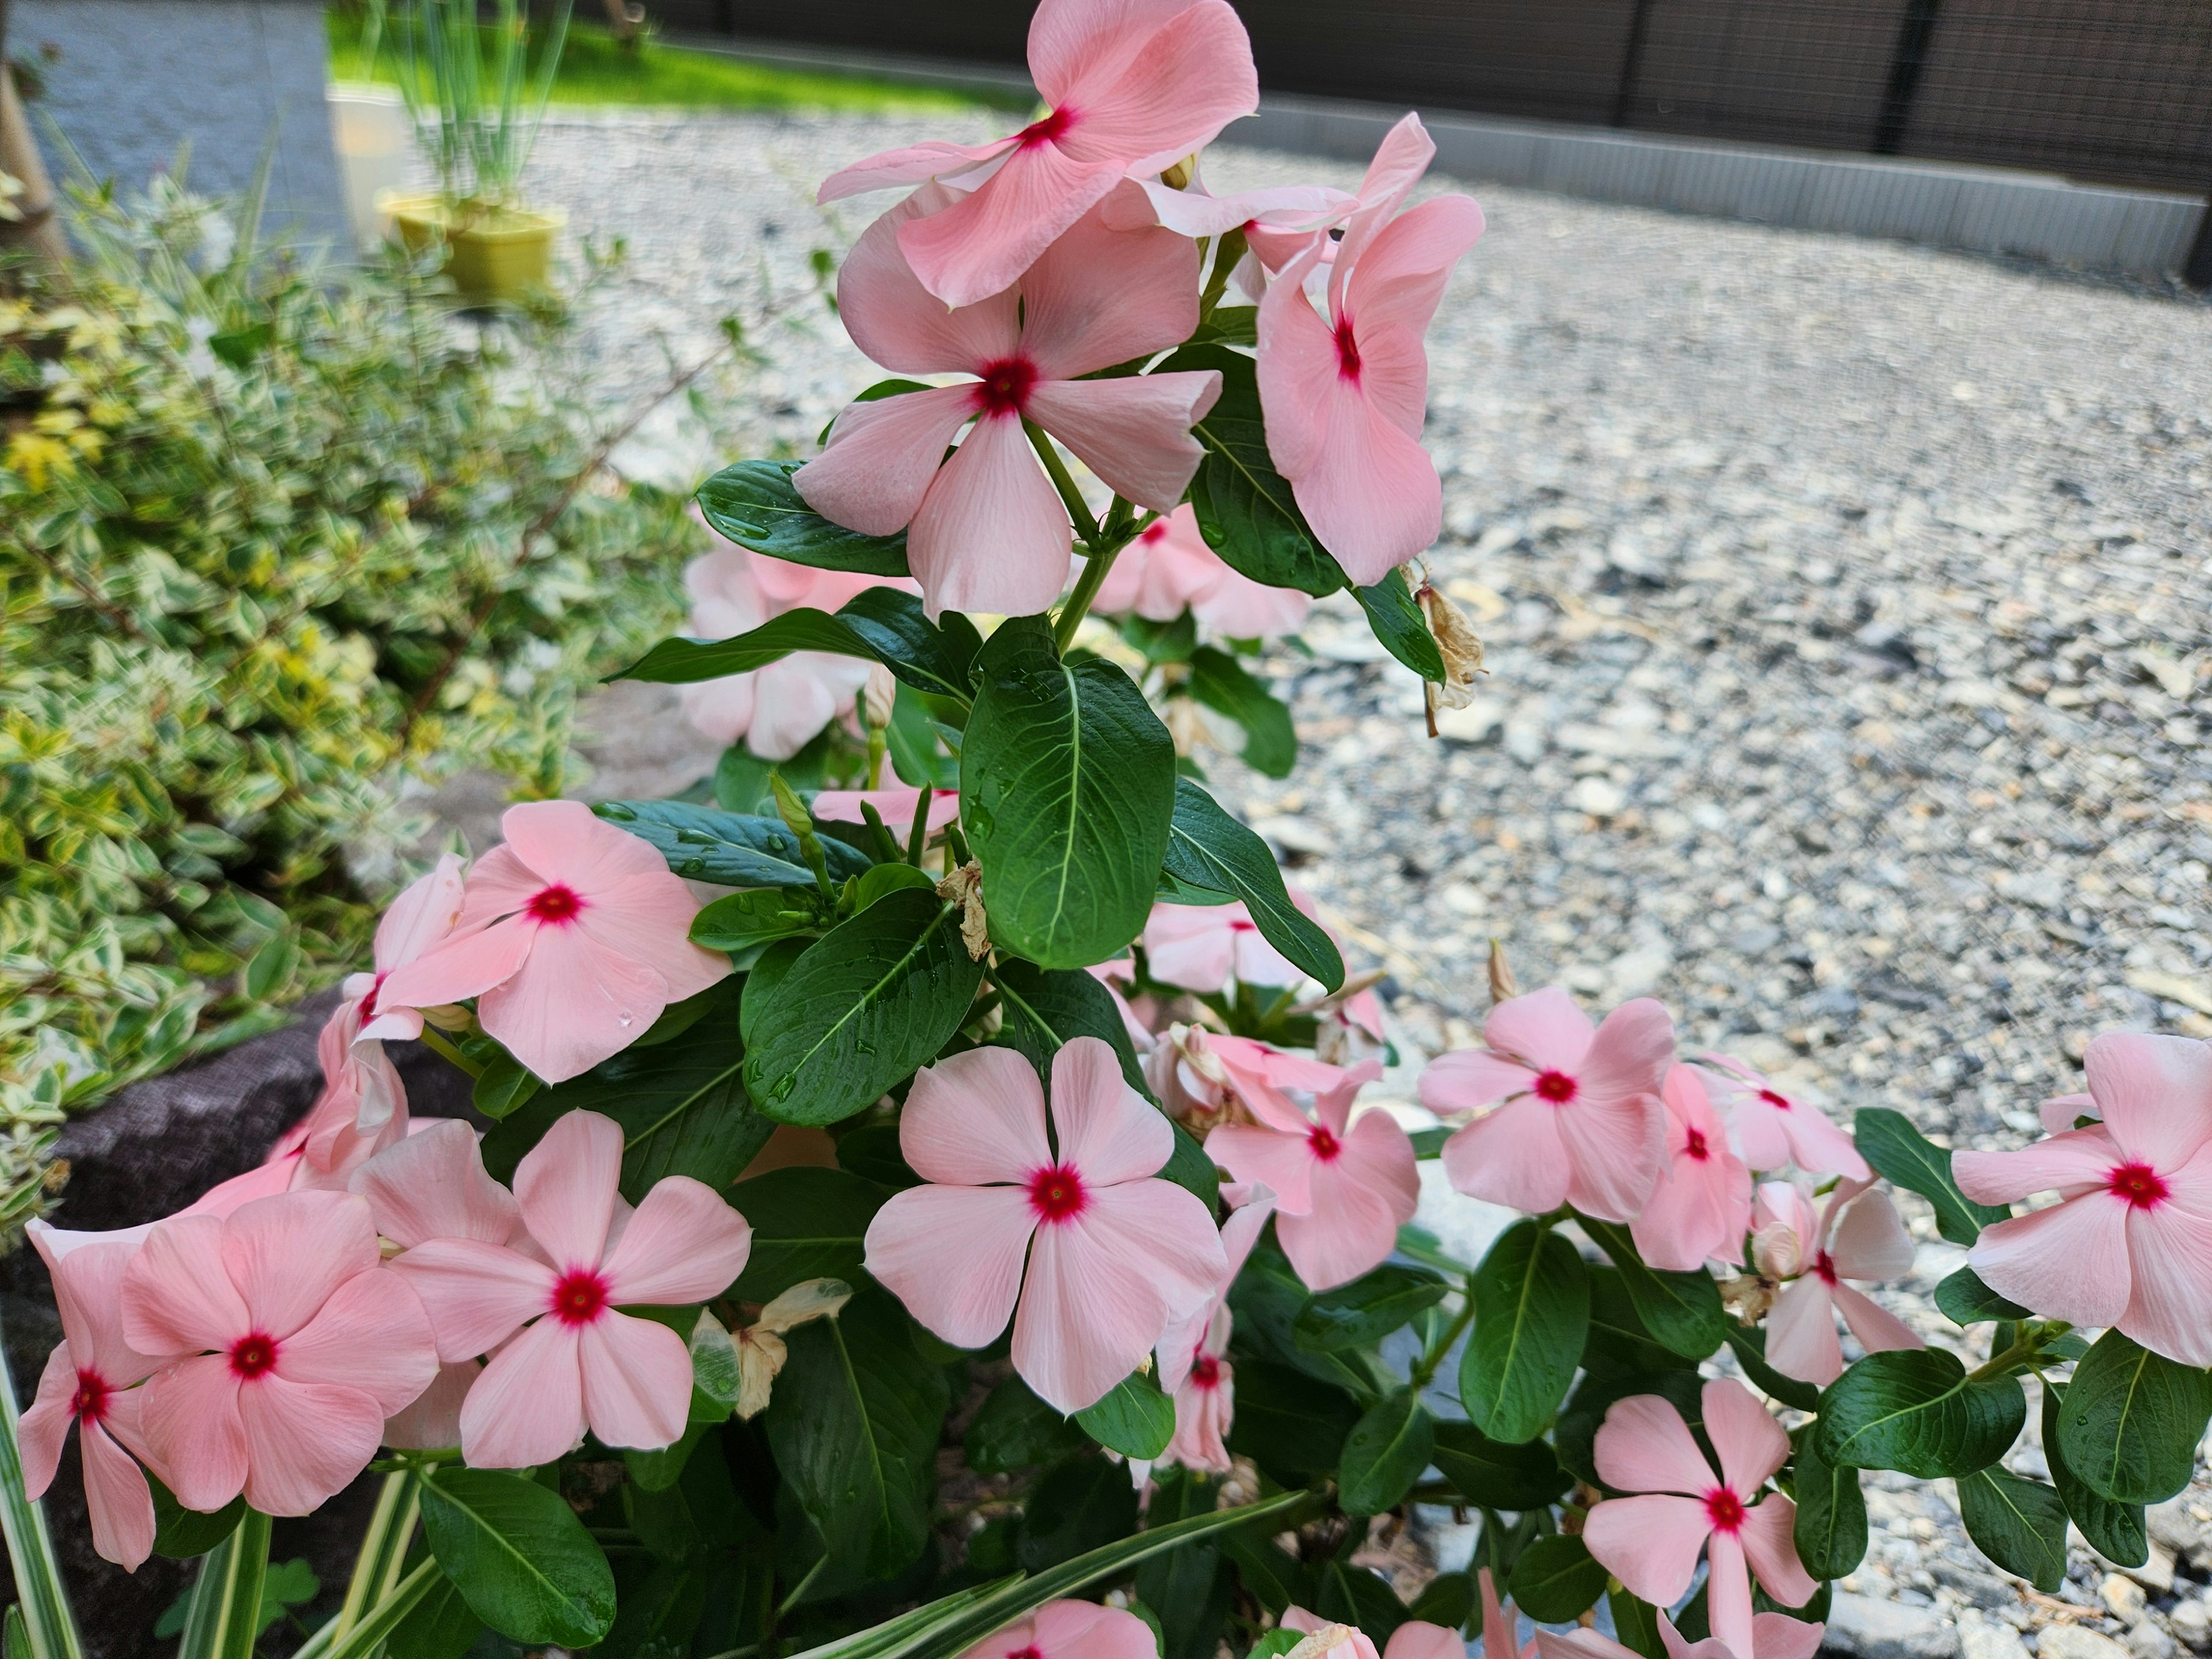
[[1845, 606]]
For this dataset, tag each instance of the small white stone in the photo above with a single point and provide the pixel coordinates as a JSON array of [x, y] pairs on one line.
[[1986, 1638], [2072, 1641], [1599, 797]]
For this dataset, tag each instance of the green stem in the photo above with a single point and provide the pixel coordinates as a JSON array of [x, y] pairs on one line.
[[1056, 469], [43, 1598], [395, 1548], [225, 1617], [368, 1565], [1435, 1357], [438, 1043], [1087, 585], [383, 1618], [1226, 258], [2026, 1348]]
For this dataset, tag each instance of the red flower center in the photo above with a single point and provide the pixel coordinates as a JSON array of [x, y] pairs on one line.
[[1724, 1509], [579, 1295], [1049, 128], [368, 1002], [1325, 1145], [1205, 1371], [2141, 1185], [1774, 1100], [252, 1354], [1006, 384], [1347, 350], [1697, 1147], [89, 1402], [1057, 1193], [1555, 1086], [555, 904], [1824, 1268]]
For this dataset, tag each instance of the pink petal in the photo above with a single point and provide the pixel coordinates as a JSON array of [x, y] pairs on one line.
[[684, 1244], [2076, 1161], [527, 1408], [432, 1421], [572, 1004], [1728, 1592], [881, 455], [1710, 1647], [983, 242], [974, 1118], [499, 883], [1589, 1645], [476, 1294], [1696, 1214], [1630, 1052], [1399, 280], [721, 708], [1870, 1242], [1649, 1543], [433, 1185], [566, 841], [798, 697], [120, 1501], [1190, 945], [1876, 1327], [1400, 161], [1801, 1334], [1378, 1155], [1132, 431], [1418, 1639], [189, 1416], [1616, 1147], [1514, 1156], [1070, 38], [1189, 79], [1769, 1545], [1777, 1636], [2169, 1311], [2070, 1262], [372, 1335], [287, 1254], [566, 1186], [637, 1381], [1082, 1629], [991, 533], [305, 1441], [1299, 372], [177, 1298], [1097, 297], [1644, 1445], [88, 1292], [914, 165], [1819, 1147], [465, 965], [2156, 1093], [1547, 1031], [44, 1430], [1239, 608], [900, 325], [1281, 1161], [1108, 1131], [1350, 1230], [953, 1254], [1467, 1080], [1750, 1444], [424, 913], [2062, 1112], [895, 806], [647, 917]]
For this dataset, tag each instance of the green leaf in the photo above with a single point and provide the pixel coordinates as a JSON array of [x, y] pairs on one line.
[[714, 1379], [1189, 1590], [1555, 1579], [1134, 1418], [754, 505], [504, 1087], [1348, 1594], [1966, 1300], [2115, 1531], [1046, 1006], [1495, 1474], [2018, 1524], [853, 1423], [1749, 1345], [1832, 1517], [730, 849], [1618, 1340], [1246, 509], [807, 1223], [1397, 622], [1367, 1309], [1231, 325], [1635, 1624], [1887, 1140], [1271, 1576], [938, 658], [2132, 1421], [1208, 848], [1066, 787], [916, 748], [745, 924], [1221, 682], [868, 1003], [269, 968], [1449, 1598], [1291, 1424], [684, 661], [1531, 1316], [1914, 1410], [442, 1625], [181, 1533], [1385, 1453], [1076, 1506], [1014, 1430], [1682, 1311], [519, 1556]]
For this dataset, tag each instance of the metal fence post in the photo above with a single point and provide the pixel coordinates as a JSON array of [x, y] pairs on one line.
[[1913, 37], [1632, 60]]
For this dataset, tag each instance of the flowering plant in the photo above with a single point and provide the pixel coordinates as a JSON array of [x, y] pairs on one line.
[[911, 1207]]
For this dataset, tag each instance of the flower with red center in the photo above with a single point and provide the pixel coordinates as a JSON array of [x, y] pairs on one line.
[[2130, 1244], [1345, 398], [1169, 568], [1343, 1189], [1132, 89], [1855, 1234], [575, 1361], [1193, 1352], [1070, 1629], [1651, 1541], [1774, 1128], [986, 529], [305, 1343], [1574, 1114], [573, 936], [87, 1382], [1701, 1208], [1089, 1252]]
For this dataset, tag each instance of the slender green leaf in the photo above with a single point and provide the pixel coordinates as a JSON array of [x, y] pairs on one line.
[[1134, 1418], [2018, 1524], [438, 1627], [1495, 1474], [1189, 1590], [1346, 1594], [1397, 622], [48, 1625], [383, 1621], [1555, 1579], [1208, 848], [683, 662], [1531, 1317], [756, 506], [1915, 1410], [1682, 1311], [1224, 684], [1832, 1517], [521, 1558], [1367, 1309], [1385, 1454], [1887, 1140], [807, 1223], [730, 849], [2115, 1531], [2132, 1420]]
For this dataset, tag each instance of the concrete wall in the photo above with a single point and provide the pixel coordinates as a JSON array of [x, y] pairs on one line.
[[137, 80]]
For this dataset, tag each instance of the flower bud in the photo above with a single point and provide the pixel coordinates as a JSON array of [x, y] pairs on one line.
[[877, 695]]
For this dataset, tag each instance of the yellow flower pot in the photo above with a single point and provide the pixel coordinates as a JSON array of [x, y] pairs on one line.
[[494, 255]]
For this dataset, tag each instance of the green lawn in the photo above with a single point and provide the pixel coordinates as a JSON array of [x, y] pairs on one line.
[[596, 70]]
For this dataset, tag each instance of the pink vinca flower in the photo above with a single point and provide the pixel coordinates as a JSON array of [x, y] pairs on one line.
[[1701, 1208], [1345, 396], [985, 530], [1343, 1189], [1650, 1541], [577, 1361], [1201, 947], [1855, 1235], [574, 936], [1168, 568], [1193, 1353], [776, 710], [1773, 1128], [1070, 1629], [305, 1343], [1201, 1074], [2064, 1112], [2128, 1243], [1114, 1255], [1501, 1622], [1773, 1636], [1581, 1121], [87, 1382], [1132, 86], [1416, 1639]]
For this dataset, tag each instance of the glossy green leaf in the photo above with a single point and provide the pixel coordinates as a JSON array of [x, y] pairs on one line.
[[1748, 1343], [1367, 1309], [1499, 1474], [1385, 1454], [1832, 1517], [756, 506], [1271, 1576], [1449, 1598], [503, 1086], [2018, 1524], [1555, 1579], [1531, 1316], [1682, 1311], [745, 924], [2132, 1420], [807, 1223], [1189, 1589], [1134, 1418], [1636, 1624], [867, 1003], [938, 658], [1226, 686], [519, 1556], [1208, 848], [1014, 1430], [1887, 1140], [1397, 621], [1046, 1006], [684, 661], [1267, 1299], [1618, 1340], [1914, 1410], [2115, 1531], [181, 1533], [1291, 1424], [1074, 1507], [1966, 1300], [1245, 508], [730, 849], [1066, 788], [1347, 1594]]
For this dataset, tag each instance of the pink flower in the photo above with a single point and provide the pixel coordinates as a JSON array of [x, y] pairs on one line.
[[574, 936], [1855, 1235], [1070, 1629], [87, 1382], [1773, 1636], [1203, 1073], [776, 710], [1501, 1622], [1773, 1128], [577, 1361], [1169, 567], [2064, 1112], [1201, 947], [893, 806], [985, 530], [433, 1185], [1133, 86], [1582, 1123], [1345, 398], [1114, 1255], [1701, 1208], [1416, 1639], [1650, 1543], [2130, 1244], [305, 1345], [1342, 1190], [1193, 1353]]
